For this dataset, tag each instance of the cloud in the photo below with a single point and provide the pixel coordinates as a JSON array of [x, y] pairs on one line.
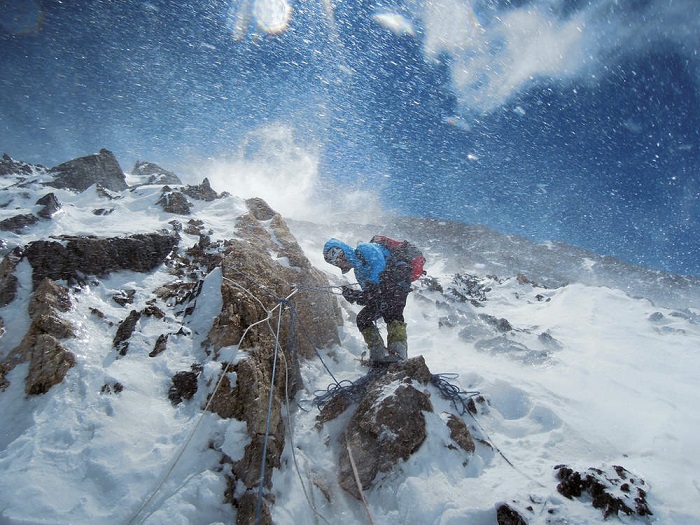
[[496, 53], [271, 163]]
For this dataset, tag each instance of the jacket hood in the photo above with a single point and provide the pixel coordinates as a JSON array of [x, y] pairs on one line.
[[347, 251]]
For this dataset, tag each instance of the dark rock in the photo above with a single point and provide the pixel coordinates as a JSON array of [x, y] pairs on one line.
[[604, 488], [124, 297], [124, 331], [203, 192], [460, 433], [47, 297], [385, 428], [174, 202], [152, 310], [8, 166], [8, 280], [49, 362], [115, 387], [260, 209], [81, 256], [51, 205], [98, 313], [153, 174], [102, 211], [18, 223], [256, 255], [184, 385], [389, 423], [194, 227], [106, 193], [656, 317], [502, 325], [469, 288], [506, 515], [81, 173], [53, 325], [160, 345], [247, 505]]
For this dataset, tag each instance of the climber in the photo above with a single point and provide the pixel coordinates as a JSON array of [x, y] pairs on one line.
[[384, 289]]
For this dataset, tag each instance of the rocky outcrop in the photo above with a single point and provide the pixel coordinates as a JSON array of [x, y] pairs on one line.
[[507, 515], [150, 173], [611, 490], [18, 223], [76, 257], [269, 264], [173, 201], [124, 331], [50, 205], [49, 361], [8, 280], [9, 166], [203, 192], [81, 173], [184, 384], [388, 424], [266, 275]]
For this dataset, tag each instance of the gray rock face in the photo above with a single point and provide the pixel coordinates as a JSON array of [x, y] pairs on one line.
[[9, 166], [388, 424], [97, 256], [386, 428], [49, 361], [203, 192], [151, 173], [254, 260], [81, 173], [173, 201], [8, 280], [51, 205], [18, 223]]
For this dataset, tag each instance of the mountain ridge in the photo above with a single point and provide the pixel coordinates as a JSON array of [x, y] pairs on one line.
[[548, 371]]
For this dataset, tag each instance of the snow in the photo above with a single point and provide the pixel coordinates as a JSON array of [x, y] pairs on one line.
[[611, 383]]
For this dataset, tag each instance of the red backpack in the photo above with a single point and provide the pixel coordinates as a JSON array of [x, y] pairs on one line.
[[403, 251]]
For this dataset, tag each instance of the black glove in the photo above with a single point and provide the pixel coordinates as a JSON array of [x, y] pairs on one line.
[[352, 296]]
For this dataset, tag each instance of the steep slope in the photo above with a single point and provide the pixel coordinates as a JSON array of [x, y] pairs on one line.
[[555, 370]]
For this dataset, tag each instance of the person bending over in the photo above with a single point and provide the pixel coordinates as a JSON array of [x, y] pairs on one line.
[[385, 285]]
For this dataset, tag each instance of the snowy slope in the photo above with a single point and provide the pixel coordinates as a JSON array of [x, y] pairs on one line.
[[610, 383]]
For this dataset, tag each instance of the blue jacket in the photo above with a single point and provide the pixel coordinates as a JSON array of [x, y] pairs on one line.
[[368, 260]]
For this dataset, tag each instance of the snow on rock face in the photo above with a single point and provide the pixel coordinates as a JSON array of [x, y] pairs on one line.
[[81, 173], [580, 374], [258, 273], [48, 359], [150, 173], [388, 423], [98, 256]]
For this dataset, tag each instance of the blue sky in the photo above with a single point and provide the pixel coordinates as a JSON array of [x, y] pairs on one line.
[[564, 120]]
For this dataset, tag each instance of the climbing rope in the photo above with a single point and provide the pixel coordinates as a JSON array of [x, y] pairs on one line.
[[460, 398], [355, 389], [292, 448], [227, 366], [357, 480], [292, 336], [261, 483]]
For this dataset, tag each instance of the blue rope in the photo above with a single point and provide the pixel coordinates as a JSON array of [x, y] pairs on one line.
[[355, 389], [352, 389], [459, 397]]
